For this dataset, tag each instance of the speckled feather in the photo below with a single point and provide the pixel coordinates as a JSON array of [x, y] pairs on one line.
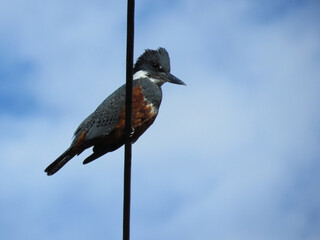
[[103, 120]]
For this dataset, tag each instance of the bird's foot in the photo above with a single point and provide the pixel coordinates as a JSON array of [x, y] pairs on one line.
[[131, 134]]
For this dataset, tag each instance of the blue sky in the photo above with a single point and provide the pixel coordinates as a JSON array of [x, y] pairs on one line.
[[234, 155]]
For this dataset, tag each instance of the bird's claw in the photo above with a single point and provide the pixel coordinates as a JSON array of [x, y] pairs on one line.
[[131, 134]]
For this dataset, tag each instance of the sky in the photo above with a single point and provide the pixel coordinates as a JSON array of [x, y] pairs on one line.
[[233, 155]]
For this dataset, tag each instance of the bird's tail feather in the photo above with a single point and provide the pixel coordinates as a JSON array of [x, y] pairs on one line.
[[60, 161], [99, 150], [94, 156]]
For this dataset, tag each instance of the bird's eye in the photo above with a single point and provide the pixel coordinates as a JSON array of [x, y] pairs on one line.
[[158, 67]]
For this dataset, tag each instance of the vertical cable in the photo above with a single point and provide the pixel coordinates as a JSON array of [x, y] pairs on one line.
[[128, 127]]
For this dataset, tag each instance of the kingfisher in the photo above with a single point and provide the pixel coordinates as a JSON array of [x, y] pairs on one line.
[[104, 129]]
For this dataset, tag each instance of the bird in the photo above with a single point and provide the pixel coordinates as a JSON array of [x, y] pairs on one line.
[[104, 129]]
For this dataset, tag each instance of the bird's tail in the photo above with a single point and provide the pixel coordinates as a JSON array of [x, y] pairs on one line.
[[60, 162]]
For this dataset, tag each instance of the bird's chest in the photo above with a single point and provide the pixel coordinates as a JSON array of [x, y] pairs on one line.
[[143, 114], [143, 111]]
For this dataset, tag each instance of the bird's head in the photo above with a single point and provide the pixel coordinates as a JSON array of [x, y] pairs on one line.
[[155, 65]]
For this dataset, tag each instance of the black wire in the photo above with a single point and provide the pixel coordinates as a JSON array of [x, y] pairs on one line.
[[128, 127]]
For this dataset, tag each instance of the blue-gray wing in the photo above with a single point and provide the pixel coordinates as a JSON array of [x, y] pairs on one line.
[[103, 120]]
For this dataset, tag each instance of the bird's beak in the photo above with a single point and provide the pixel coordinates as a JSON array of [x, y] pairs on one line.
[[172, 79]]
